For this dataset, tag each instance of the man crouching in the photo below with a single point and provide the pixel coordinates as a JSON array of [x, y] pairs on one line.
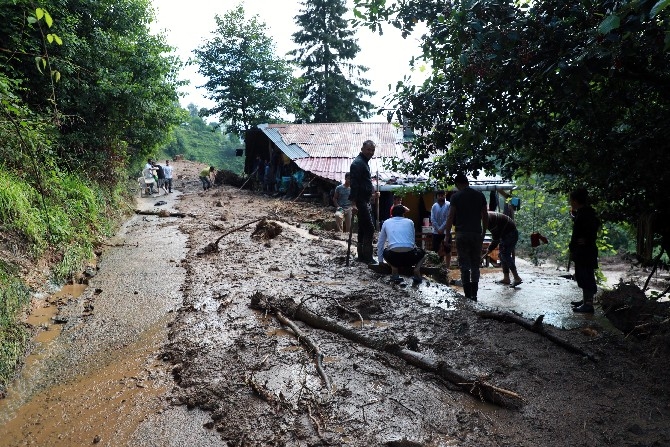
[[398, 231]]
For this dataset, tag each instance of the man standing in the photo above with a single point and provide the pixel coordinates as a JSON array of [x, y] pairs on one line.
[[167, 171], [468, 213], [362, 192], [343, 204], [398, 231], [438, 218], [504, 234], [583, 248], [160, 173]]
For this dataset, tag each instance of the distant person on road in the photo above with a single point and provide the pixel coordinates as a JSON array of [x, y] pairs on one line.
[[469, 214], [438, 218], [205, 177], [160, 175], [398, 232], [505, 236], [149, 176], [167, 170], [583, 248], [362, 192], [343, 204]]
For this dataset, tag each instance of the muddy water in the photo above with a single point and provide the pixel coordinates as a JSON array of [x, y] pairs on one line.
[[543, 292], [97, 377]]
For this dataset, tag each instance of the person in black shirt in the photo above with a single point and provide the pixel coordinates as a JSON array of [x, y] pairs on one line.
[[362, 192], [469, 214], [583, 248], [505, 235]]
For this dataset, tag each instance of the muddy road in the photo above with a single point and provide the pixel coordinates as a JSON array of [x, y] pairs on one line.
[[180, 341]]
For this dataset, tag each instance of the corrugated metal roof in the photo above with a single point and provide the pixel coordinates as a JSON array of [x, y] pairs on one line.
[[292, 151], [340, 139], [327, 149]]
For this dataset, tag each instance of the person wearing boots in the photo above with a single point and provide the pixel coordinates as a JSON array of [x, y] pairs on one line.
[[505, 235], [583, 249], [469, 214], [361, 194]]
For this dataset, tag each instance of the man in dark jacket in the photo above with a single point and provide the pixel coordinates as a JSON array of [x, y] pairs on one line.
[[469, 214], [362, 192], [583, 249]]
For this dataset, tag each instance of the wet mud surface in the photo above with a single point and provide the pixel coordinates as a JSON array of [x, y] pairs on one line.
[[226, 371]]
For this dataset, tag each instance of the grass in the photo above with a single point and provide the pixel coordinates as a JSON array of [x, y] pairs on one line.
[[67, 218], [14, 336]]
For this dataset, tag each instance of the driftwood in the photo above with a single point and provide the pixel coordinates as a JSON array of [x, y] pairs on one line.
[[537, 327], [467, 383], [213, 247], [311, 346], [161, 213]]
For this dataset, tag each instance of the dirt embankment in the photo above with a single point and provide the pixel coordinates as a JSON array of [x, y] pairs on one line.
[[375, 363]]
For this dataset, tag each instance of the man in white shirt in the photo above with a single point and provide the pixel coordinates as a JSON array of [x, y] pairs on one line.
[[167, 170], [398, 231], [438, 218]]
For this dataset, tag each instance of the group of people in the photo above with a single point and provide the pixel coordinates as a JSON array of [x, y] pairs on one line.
[[468, 214], [157, 175]]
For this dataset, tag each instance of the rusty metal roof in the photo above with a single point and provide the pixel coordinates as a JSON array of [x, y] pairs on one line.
[[327, 149]]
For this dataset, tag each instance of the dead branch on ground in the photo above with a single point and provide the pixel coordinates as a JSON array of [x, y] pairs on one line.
[[309, 344], [537, 327], [161, 213], [467, 383]]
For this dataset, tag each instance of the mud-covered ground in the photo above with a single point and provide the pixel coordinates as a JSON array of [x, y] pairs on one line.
[[261, 384], [187, 348]]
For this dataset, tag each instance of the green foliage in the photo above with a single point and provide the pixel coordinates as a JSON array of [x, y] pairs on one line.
[[549, 215], [205, 143], [332, 88], [116, 96], [248, 82], [14, 337], [544, 88]]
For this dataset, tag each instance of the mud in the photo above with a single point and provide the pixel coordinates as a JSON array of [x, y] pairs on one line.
[[217, 372]]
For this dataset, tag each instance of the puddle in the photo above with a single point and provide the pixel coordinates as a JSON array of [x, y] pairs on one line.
[[43, 315], [541, 293]]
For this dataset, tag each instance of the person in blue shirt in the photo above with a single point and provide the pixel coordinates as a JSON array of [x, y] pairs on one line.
[[438, 219]]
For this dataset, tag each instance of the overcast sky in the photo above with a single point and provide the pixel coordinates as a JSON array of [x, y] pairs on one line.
[[187, 24]]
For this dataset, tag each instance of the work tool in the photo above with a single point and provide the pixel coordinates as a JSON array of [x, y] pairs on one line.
[[351, 231]]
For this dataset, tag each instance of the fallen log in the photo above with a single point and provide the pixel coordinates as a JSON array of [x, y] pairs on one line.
[[213, 247], [161, 213], [465, 382], [537, 327]]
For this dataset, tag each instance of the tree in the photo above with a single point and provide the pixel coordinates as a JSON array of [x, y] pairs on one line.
[[115, 97], [576, 91], [332, 88], [248, 82]]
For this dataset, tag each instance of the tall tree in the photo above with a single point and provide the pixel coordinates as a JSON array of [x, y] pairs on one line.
[[332, 86], [579, 91], [246, 79]]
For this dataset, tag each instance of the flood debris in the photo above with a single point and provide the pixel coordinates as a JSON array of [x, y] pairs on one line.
[[537, 327], [470, 384]]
